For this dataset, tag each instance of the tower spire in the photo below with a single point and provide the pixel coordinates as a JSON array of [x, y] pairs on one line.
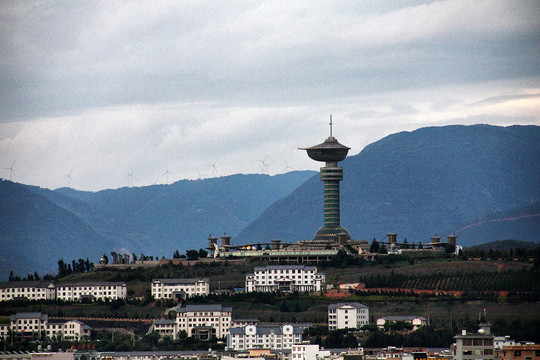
[[330, 125]]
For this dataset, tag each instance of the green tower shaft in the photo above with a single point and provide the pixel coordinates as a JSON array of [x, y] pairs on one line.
[[331, 176]]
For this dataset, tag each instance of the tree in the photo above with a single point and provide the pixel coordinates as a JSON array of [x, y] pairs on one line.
[[192, 254], [374, 248], [105, 258], [203, 253], [176, 255]]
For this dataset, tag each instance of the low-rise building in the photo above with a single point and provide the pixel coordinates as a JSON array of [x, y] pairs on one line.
[[265, 336], [165, 328], [474, 346], [30, 290], [183, 288], [500, 341], [202, 321], [36, 325], [519, 352], [285, 278], [308, 352], [97, 290], [415, 320], [351, 315]]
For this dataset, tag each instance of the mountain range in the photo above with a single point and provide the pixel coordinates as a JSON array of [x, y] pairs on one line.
[[39, 226], [481, 182]]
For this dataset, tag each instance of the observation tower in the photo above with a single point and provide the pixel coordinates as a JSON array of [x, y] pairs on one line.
[[330, 152]]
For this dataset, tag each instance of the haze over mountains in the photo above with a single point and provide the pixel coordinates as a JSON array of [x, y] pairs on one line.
[[482, 182]]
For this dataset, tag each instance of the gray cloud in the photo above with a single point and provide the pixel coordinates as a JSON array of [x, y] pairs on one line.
[[108, 87]]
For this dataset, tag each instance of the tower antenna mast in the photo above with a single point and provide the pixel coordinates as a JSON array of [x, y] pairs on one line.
[[330, 125]]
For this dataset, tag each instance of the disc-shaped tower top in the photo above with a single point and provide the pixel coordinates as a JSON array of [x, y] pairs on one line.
[[329, 151]]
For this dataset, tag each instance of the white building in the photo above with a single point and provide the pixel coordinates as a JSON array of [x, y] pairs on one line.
[[474, 346], [99, 290], [416, 321], [267, 336], [37, 325], [308, 352], [31, 290], [347, 315], [202, 321], [172, 288], [500, 341], [285, 278]]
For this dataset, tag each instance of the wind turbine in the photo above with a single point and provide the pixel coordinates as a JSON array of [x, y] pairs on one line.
[[130, 178], [200, 175], [286, 167], [213, 167], [70, 180], [167, 172], [11, 171], [263, 164]]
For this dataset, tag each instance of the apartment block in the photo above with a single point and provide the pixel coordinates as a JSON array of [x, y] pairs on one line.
[[351, 315], [265, 336], [30, 290], [285, 278], [99, 290], [180, 288]]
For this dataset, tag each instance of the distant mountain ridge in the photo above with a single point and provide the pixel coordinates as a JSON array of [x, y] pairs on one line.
[[481, 181], [434, 180], [39, 226]]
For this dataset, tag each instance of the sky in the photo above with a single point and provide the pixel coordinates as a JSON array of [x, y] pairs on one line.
[[107, 94]]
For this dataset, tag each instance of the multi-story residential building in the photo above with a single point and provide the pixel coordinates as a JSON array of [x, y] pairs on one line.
[[519, 352], [174, 288], [31, 290], [37, 325], [474, 346], [415, 320], [285, 278], [351, 315], [202, 321], [265, 336], [99, 290]]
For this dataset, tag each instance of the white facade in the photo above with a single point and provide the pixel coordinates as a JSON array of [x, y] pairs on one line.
[[31, 290], [164, 328], [169, 288], [275, 337], [37, 325], [308, 352], [500, 341], [203, 321], [285, 278], [101, 290], [347, 316]]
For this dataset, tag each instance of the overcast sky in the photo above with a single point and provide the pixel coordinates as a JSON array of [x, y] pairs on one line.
[[93, 91]]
